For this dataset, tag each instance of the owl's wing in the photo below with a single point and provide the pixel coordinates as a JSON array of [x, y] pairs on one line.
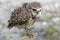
[[23, 16], [19, 17]]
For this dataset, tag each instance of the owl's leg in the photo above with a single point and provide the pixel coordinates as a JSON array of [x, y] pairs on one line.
[[28, 32]]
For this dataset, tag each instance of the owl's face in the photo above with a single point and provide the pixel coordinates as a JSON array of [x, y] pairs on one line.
[[36, 12], [35, 8]]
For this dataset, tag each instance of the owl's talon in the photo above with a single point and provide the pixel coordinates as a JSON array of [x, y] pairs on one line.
[[29, 35]]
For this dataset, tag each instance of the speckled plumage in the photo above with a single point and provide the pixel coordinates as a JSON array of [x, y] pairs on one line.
[[23, 16]]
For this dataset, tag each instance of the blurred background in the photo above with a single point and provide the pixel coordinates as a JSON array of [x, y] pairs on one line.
[[47, 27]]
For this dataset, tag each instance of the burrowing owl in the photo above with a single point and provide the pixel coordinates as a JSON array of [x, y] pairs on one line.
[[25, 16]]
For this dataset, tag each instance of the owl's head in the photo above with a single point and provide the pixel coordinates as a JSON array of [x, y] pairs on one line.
[[34, 7]]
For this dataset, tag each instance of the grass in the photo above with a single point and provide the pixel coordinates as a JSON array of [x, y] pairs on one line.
[[47, 18], [50, 31]]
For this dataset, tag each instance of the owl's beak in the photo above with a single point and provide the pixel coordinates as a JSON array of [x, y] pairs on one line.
[[38, 12]]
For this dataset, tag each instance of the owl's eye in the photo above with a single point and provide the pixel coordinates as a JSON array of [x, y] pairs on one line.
[[34, 9]]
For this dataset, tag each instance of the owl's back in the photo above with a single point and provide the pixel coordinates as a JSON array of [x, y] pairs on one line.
[[20, 16]]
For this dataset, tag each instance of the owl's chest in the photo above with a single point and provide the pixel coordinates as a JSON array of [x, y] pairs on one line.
[[29, 23]]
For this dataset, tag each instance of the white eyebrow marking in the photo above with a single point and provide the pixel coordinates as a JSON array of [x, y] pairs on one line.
[[39, 9]]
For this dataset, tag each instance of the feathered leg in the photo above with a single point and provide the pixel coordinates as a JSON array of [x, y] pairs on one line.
[[28, 32]]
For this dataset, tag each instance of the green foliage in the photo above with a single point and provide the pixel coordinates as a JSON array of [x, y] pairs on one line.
[[50, 31], [47, 18], [10, 38]]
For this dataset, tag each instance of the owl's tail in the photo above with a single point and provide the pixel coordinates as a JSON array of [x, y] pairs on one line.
[[11, 24]]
